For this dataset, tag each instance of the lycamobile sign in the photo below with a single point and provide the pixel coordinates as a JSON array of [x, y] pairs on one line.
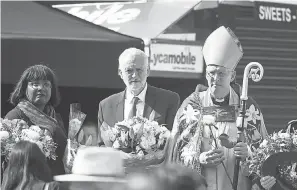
[[176, 58]]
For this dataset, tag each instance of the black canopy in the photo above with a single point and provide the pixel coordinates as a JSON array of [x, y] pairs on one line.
[[82, 54]]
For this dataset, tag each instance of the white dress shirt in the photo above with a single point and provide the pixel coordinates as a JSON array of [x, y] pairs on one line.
[[129, 103]]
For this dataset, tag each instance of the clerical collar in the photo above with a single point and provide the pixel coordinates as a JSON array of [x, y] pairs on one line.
[[221, 102]]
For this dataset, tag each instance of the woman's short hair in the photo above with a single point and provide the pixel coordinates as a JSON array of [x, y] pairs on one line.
[[33, 73], [26, 162], [177, 177]]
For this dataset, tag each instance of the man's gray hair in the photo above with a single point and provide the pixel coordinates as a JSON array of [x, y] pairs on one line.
[[131, 54]]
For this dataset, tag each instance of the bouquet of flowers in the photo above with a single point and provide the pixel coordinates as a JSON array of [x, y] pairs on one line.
[[143, 139], [275, 143], [76, 119], [13, 131], [289, 174]]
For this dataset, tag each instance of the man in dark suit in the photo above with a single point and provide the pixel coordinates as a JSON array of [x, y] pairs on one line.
[[139, 98]]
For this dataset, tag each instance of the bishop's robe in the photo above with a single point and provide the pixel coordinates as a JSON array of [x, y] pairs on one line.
[[189, 138]]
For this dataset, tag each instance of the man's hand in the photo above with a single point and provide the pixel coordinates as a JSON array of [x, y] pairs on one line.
[[267, 182], [212, 157], [241, 150]]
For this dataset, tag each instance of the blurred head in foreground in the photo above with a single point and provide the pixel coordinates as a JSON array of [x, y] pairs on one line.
[[173, 177]]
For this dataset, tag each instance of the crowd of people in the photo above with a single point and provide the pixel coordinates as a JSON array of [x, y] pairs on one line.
[[210, 167]]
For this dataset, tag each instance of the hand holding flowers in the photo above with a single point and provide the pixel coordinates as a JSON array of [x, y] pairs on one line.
[[143, 139], [274, 144], [213, 157]]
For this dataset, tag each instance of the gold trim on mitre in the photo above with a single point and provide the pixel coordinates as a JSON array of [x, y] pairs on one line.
[[222, 48]]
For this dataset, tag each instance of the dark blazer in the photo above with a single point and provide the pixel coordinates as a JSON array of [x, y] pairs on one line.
[[160, 105]]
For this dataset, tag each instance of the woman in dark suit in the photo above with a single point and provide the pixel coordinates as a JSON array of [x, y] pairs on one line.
[[35, 97]]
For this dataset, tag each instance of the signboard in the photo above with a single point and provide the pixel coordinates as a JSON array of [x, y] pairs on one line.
[[137, 19], [276, 13], [176, 60]]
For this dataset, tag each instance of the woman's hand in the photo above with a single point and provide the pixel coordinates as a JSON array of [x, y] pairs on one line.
[[267, 182], [212, 158]]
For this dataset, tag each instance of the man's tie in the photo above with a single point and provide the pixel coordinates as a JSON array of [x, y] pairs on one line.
[[132, 112]]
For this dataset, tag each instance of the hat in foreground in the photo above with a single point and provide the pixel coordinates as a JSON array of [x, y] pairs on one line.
[[96, 164]]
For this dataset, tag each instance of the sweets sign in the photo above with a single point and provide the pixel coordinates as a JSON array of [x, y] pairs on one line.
[[276, 13]]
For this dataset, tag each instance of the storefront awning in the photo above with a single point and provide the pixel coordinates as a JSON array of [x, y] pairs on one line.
[[141, 20]]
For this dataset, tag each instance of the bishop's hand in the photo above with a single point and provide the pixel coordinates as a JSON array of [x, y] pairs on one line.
[[241, 150], [212, 158]]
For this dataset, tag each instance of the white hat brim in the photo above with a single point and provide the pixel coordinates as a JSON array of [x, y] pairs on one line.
[[75, 177]]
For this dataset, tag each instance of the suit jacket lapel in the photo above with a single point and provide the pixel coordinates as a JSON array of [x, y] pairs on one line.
[[120, 107], [150, 101]]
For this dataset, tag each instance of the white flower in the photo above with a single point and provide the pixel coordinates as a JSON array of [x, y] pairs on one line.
[[151, 140], [31, 134], [47, 138], [140, 154], [123, 136], [163, 137], [144, 143], [17, 139], [36, 129], [274, 136], [188, 155], [264, 143], [20, 124], [4, 135], [209, 120], [190, 114], [6, 122], [284, 135], [294, 137], [137, 127], [116, 144]]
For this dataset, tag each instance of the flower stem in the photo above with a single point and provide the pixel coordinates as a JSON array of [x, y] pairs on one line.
[[221, 161]]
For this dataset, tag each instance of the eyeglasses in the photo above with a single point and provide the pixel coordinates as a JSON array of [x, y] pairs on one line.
[[219, 74], [131, 71], [36, 85]]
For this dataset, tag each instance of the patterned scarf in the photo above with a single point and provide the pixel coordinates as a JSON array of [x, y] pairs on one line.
[[45, 120]]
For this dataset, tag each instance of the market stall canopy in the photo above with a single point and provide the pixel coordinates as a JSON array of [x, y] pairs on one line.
[[138, 19], [82, 54], [32, 20]]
